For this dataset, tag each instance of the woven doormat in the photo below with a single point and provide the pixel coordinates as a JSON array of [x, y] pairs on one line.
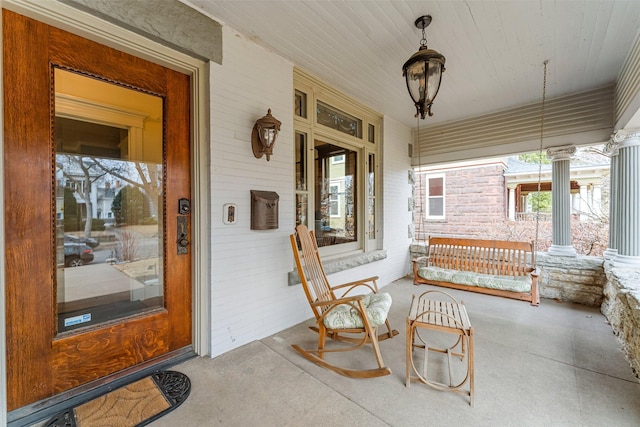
[[133, 405]]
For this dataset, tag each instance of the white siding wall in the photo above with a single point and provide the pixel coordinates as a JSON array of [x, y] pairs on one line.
[[250, 298], [397, 191]]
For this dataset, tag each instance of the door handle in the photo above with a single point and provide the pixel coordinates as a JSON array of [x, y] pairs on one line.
[[183, 241]]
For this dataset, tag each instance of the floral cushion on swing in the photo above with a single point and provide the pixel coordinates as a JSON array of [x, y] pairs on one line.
[[506, 283], [344, 316]]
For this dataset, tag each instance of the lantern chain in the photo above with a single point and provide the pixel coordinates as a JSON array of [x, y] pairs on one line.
[[419, 193], [423, 41]]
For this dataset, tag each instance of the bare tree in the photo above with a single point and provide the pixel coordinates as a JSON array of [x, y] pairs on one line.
[[129, 243], [84, 179], [149, 174]]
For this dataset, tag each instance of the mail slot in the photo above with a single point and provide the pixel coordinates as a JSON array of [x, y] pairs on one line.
[[264, 210]]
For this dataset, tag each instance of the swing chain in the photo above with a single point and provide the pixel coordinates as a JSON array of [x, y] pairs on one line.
[[418, 196], [544, 96]]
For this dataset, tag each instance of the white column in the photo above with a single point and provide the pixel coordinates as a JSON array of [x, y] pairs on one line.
[[596, 197], [512, 204], [614, 187], [628, 199], [561, 200], [584, 202]]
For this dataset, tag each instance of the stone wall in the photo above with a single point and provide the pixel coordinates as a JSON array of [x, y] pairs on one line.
[[621, 307], [578, 279]]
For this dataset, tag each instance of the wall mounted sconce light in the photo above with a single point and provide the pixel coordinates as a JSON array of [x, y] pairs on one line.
[[423, 72], [264, 135]]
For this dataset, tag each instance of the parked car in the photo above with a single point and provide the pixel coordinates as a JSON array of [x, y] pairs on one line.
[[89, 241], [77, 254]]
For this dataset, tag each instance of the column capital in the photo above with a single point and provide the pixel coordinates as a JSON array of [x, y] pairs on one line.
[[624, 138], [563, 152], [612, 147]]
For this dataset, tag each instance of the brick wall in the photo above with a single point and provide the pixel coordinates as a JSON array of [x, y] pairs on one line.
[[475, 197]]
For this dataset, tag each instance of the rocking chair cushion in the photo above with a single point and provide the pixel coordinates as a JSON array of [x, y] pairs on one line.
[[344, 316]]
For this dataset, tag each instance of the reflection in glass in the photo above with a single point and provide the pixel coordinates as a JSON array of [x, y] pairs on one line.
[[302, 206], [301, 104], [109, 176], [372, 196], [302, 193], [336, 201], [372, 133], [301, 164]]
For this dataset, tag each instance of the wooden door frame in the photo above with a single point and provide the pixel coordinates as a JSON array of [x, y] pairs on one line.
[[88, 26]]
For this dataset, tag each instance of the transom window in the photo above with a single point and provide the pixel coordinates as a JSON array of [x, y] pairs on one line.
[[338, 120]]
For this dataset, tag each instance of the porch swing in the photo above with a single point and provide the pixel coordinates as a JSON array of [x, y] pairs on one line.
[[494, 267]]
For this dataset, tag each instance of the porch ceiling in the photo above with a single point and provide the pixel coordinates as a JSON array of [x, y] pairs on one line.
[[494, 49]]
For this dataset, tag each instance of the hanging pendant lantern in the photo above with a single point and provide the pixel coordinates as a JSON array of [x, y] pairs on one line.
[[423, 72]]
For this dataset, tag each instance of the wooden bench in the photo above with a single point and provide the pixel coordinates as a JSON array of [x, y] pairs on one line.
[[494, 267]]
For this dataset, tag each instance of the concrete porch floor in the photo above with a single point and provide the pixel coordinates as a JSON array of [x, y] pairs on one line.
[[554, 365]]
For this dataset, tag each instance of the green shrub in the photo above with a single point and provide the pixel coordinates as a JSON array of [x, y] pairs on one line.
[[97, 224], [71, 223]]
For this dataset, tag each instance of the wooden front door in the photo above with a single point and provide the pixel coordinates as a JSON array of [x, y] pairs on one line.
[[97, 210]]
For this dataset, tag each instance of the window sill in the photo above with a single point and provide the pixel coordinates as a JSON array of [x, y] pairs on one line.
[[344, 263]]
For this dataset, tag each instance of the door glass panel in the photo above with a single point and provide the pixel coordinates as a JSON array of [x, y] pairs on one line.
[[109, 181]]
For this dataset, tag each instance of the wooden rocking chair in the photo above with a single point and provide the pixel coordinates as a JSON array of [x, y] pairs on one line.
[[335, 317]]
